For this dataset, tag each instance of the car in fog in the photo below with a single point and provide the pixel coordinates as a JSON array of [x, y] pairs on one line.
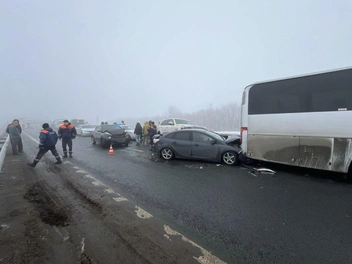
[[110, 134], [57, 123], [85, 130], [130, 131], [172, 124], [78, 121], [197, 144]]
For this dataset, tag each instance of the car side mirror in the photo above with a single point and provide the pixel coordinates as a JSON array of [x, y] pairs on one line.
[[213, 141], [171, 123]]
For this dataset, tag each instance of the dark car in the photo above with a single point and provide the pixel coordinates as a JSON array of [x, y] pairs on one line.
[[196, 144], [57, 123], [78, 121], [110, 134]]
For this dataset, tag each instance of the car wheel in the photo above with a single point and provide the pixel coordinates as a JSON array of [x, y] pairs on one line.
[[166, 154], [103, 143], [230, 158], [93, 141]]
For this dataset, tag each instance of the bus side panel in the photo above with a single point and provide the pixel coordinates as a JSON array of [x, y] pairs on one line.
[[280, 149], [342, 154], [316, 152], [244, 120]]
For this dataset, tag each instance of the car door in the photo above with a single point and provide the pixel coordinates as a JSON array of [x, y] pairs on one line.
[[203, 146], [182, 144], [165, 126], [97, 133]]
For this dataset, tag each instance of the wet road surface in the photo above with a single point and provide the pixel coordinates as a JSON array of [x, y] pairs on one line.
[[238, 216]]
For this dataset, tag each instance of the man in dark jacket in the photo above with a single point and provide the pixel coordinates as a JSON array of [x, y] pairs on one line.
[[15, 136], [48, 140], [20, 144], [66, 133], [138, 131], [151, 132]]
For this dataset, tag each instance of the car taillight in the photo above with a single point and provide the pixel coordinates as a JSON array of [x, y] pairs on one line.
[[242, 130]]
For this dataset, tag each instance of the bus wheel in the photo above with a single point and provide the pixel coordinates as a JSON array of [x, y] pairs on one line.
[[230, 158]]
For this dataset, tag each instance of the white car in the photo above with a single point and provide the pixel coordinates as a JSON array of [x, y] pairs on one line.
[[173, 124], [85, 130], [130, 131]]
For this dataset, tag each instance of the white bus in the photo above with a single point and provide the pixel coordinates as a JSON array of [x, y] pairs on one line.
[[302, 121]]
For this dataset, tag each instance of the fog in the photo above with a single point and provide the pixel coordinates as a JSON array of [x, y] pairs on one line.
[[125, 60]]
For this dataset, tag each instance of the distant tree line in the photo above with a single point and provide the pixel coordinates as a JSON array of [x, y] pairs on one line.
[[225, 117]]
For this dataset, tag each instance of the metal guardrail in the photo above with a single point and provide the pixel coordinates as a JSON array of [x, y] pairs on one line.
[[4, 142]]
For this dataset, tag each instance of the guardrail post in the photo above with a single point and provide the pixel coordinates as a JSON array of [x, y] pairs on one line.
[[3, 151]]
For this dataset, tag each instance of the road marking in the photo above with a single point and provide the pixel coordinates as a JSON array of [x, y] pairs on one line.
[[36, 141], [207, 256], [120, 199], [109, 191], [142, 213], [97, 183], [137, 150]]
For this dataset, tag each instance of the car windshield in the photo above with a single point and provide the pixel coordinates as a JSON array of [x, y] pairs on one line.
[[182, 121], [88, 126], [216, 136], [110, 127]]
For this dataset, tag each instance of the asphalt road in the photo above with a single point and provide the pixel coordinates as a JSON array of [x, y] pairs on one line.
[[240, 217]]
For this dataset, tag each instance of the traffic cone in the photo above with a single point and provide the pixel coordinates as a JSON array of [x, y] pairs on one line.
[[111, 150]]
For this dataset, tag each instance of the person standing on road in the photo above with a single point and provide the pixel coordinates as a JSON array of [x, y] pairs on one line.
[[15, 136], [20, 144], [48, 140], [145, 133], [151, 132], [66, 133], [138, 130]]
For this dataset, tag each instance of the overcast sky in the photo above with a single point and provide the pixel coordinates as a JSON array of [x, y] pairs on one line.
[[132, 58]]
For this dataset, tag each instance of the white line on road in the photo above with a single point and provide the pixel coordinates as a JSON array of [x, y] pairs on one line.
[[142, 213], [137, 150], [207, 256], [120, 199], [32, 138]]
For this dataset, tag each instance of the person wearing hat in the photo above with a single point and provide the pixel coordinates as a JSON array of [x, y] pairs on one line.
[[66, 133], [138, 131], [48, 140]]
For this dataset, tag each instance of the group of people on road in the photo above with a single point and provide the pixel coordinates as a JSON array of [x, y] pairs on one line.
[[147, 132], [67, 132], [47, 140]]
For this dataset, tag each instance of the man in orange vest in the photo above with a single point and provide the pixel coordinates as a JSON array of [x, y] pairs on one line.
[[66, 133]]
